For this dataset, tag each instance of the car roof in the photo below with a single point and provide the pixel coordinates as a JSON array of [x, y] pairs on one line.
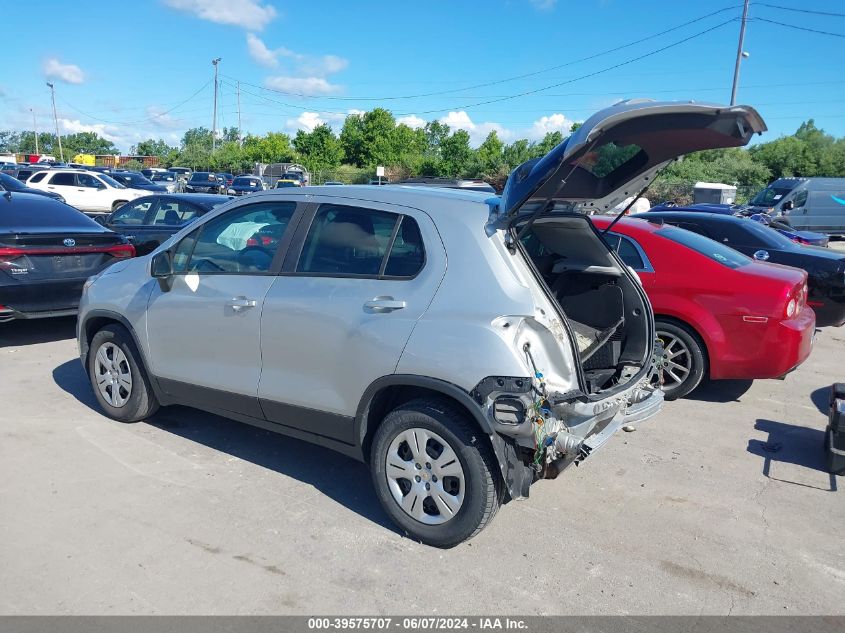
[[691, 215], [201, 199], [635, 223], [406, 195]]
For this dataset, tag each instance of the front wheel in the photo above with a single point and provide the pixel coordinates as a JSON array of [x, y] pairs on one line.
[[119, 381], [683, 361], [117, 204], [434, 473]]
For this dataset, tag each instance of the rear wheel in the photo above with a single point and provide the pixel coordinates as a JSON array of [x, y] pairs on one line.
[[683, 361], [434, 473], [119, 381]]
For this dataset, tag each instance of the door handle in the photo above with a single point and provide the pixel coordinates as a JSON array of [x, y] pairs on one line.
[[384, 304], [239, 303]]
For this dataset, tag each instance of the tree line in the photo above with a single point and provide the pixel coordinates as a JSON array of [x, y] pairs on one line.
[[376, 138]]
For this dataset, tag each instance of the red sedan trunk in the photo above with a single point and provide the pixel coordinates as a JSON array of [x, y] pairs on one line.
[[719, 313]]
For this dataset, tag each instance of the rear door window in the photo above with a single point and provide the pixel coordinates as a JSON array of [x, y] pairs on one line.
[[132, 214], [36, 178], [63, 180], [174, 213], [349, 241]]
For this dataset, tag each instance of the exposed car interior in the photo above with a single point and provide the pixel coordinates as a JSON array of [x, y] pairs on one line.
[[605, 310]]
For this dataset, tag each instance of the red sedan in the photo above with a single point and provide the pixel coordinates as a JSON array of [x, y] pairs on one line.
[[718, 313]]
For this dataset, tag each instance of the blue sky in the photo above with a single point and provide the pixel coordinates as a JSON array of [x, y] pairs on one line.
[[134, 70]]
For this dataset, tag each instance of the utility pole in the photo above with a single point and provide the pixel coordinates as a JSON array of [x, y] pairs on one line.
[[240, 135], [35, 129], [739, 52], [56, 119], [214, 117]]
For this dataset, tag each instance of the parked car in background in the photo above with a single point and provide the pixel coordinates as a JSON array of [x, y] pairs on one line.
[[825, 267], [282, 183], [718, 313], [460, 385], [149, 221], [47, 251], [295, 175], [801, 237], [228, 179], [23, 173], [149, 172], [86, 190], [7, 183], [167, 180], [471, 184], [243, 185], [134, 180], [204, 182], [182, 172], [810, 204]]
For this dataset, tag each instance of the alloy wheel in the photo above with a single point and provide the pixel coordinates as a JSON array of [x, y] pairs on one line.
[[113, 374], [676, 361], [425, 476]]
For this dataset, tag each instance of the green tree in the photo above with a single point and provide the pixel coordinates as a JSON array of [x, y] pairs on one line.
[[456, 154], [352, 140], [151, 147], [318, 149], [199, 137], [376, 146], [435, 133], [516, 153], [490, 154], [273, 147]]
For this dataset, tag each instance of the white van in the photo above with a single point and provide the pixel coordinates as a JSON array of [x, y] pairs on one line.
[[811, 204]]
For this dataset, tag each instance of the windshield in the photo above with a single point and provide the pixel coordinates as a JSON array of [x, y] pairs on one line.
[[11, 184], [246, 182], [131, 179], [770, 196], [203, 175], [163, 178], [110, 181], [704, 245]]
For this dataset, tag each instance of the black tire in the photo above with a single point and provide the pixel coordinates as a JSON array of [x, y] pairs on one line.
[[142, 402], [696, 358], [117, 204], [482, 484]]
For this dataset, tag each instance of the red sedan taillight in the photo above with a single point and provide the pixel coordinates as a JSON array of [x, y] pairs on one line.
[[796, 301], [121, 251]]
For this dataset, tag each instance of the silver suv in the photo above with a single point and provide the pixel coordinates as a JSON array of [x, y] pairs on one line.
[[463, 346]]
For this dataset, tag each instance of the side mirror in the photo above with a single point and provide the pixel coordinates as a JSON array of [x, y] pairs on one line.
[[789, 205], [761, 255], [161, 267]]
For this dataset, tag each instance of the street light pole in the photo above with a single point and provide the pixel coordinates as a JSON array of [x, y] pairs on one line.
[[739, 52], [240, 135], [214, 116], [35, 129], [56, 119]]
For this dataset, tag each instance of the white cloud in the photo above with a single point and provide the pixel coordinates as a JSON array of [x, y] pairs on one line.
[[309, 71], [306, 121], [308, 86], [412, 121], [552, 123], [249, 14], [477, 131], [259, 51], [68, 73], [543, 5]]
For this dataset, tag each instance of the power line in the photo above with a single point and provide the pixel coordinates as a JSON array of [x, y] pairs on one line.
[[149, 118], [782, 8], [581, 77], [799, 28], [506, 79]]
